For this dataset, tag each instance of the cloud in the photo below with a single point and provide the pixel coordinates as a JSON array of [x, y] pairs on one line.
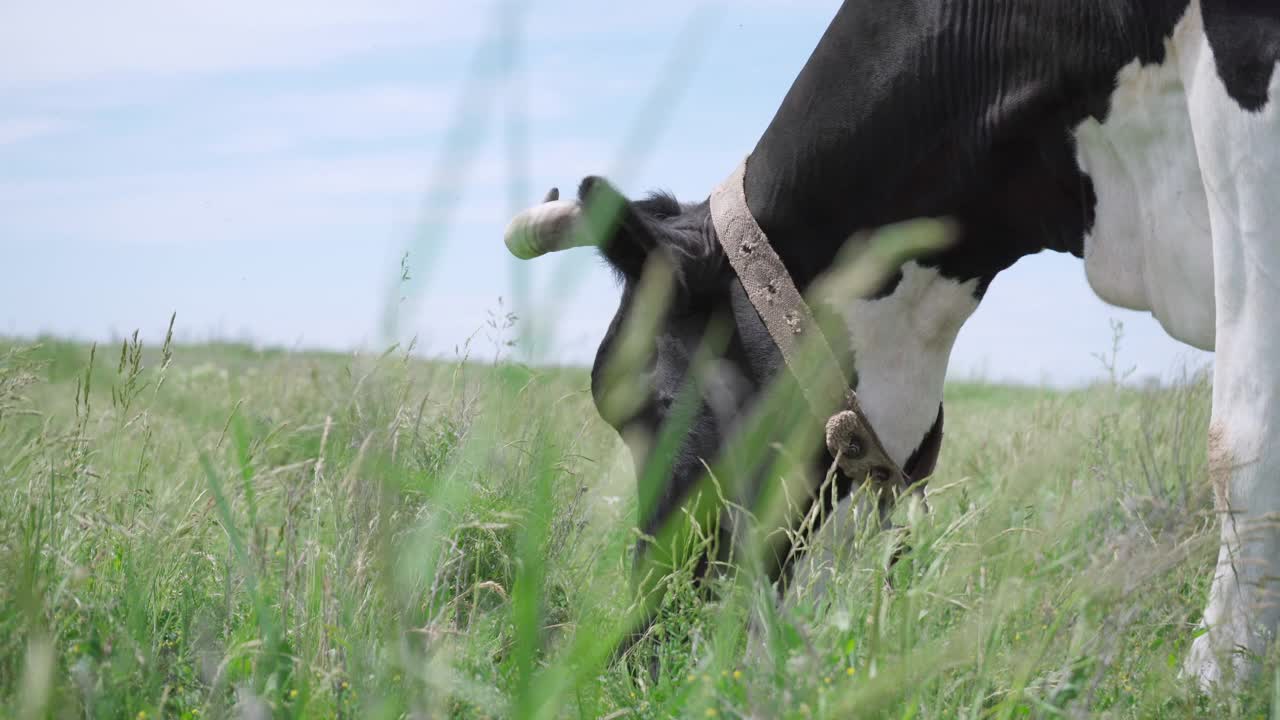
[[293, 196], [379, 112], [46, 43], [212, 206], [22, 129]]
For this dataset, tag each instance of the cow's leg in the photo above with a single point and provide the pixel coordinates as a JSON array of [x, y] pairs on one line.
[[1239, 153]]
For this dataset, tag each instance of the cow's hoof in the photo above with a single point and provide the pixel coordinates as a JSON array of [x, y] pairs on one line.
[[1219, 663], [1203, 665]]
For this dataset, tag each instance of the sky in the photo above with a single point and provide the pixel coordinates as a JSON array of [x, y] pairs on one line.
[[338, 175]]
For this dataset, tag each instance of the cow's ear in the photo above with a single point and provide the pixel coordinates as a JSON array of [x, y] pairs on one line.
[[623, 230]]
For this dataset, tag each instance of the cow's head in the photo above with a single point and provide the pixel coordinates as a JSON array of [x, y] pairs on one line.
[[679, 298], [645, 363]]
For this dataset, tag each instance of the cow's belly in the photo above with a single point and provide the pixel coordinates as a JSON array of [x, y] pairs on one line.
[[1150, 247]]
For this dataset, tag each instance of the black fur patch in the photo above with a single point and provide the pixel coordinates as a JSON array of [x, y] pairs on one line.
[[948, 108], [1245, 37]]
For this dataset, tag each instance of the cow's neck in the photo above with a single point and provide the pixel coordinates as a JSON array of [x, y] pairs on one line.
[[813, 181], [850, 148], [926, 110], [899, 341], [906, 114]]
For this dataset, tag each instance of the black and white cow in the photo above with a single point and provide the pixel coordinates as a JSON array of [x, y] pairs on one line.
[[1140, 135]]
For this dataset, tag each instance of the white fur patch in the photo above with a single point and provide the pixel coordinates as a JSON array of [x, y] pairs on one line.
[[901, 345], [1151, 247]]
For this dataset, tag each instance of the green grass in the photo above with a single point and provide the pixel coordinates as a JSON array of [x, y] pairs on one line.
[[240, 533]]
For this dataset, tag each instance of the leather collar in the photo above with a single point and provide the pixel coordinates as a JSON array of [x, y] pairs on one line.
[[850, 438]]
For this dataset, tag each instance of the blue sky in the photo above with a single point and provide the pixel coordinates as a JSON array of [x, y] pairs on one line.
[[262, 169]]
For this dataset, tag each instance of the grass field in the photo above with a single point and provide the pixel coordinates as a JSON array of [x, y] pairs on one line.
[[216, 531]]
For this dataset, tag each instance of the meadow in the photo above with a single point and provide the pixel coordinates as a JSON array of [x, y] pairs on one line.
[[222, 531]]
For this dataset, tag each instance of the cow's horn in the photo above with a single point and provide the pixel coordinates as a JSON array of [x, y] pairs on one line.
[[545, 228]]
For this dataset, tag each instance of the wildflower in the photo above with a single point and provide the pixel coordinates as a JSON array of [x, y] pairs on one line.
[[692, 677], [293, 693], [737, 674], [142, 715], [849, 671], [711, 712]]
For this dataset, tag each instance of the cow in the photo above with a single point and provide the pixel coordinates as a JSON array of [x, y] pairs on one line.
[[1142, 136]]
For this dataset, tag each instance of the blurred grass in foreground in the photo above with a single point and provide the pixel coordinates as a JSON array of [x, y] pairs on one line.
[[245, 534]]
